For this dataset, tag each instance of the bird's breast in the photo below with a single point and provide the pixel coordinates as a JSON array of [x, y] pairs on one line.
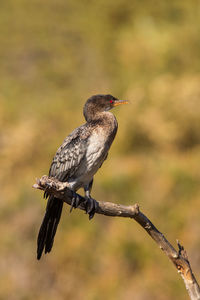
[[98, 143], [97, 148]]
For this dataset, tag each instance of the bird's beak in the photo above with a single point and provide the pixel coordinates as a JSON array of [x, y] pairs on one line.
[[119, 102]]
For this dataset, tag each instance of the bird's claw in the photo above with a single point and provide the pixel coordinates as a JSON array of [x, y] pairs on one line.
[[90, 207], [76, 201], [90, 204]]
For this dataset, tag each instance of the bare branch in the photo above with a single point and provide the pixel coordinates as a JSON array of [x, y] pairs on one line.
[[179, 258]]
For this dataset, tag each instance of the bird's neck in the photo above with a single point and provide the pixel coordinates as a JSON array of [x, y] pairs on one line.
[[104, 117], [107, 121]]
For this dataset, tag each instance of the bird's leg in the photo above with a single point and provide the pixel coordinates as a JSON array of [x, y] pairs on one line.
[[76, 201], [91, 204]]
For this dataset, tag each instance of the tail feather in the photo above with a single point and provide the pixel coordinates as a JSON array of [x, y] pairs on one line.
[[49, 226]]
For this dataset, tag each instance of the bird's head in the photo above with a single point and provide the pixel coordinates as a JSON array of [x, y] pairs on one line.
[[100, 103]]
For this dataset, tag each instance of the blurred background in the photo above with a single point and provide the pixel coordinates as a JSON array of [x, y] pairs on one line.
[[53, 56]]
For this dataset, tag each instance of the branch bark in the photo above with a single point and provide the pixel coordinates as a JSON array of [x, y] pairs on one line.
[[178, 258]]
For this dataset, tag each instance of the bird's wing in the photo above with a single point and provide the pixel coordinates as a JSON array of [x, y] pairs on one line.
[[65, 163], [68, 157]]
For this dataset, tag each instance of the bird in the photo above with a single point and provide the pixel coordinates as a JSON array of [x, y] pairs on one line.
[[77, 160]]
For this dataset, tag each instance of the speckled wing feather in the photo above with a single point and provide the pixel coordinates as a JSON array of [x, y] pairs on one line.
[[68, 157], [65, 163]]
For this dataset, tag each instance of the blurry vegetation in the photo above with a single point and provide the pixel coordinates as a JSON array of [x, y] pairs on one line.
[[53, 56]]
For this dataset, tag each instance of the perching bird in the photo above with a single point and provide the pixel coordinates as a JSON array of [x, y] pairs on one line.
[[77, 160]]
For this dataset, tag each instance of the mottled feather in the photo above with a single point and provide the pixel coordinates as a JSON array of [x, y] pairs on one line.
[[69, 155]]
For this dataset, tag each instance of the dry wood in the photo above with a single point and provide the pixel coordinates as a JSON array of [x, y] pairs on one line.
[[179, 258]]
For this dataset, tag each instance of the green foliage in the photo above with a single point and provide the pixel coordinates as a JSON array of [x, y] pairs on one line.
[[53, 56]]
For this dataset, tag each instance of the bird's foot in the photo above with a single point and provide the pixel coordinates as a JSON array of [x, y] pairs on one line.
[[76, 201], [90, 206]]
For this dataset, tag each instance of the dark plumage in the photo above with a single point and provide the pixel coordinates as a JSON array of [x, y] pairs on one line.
[[77, 160]]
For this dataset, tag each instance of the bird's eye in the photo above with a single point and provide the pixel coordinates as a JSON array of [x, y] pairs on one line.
[[111, 101]]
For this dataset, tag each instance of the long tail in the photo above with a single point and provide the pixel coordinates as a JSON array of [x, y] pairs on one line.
[[49, 225]]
